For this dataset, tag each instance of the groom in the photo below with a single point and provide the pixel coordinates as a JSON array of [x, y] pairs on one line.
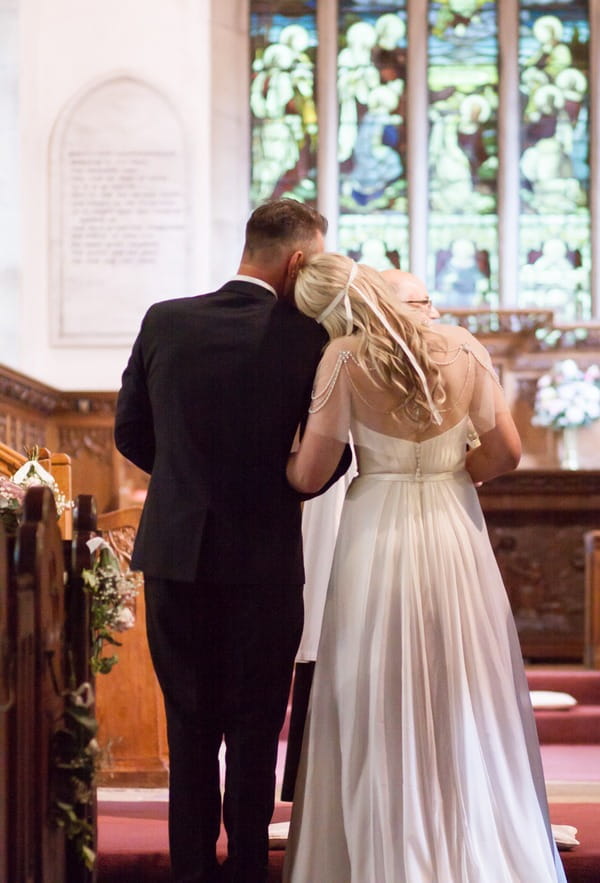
[[214, 390]]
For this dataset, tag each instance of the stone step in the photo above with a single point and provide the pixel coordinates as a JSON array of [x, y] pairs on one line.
[[578, 725], [582, 684]]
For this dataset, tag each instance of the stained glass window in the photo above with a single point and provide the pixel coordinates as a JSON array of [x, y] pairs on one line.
[[371, 90], [555, 259], [463, 153], [466, 212], [282, 101]]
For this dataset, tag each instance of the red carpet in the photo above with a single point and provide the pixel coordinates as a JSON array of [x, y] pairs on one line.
[[580, 724], [582, 865], [133, 839], [133, 843]]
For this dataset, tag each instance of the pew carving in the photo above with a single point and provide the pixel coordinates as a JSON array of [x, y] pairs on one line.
[[39, 570], [129, 705], [33, 683], [7, 705], [40, 614], [592, 599]]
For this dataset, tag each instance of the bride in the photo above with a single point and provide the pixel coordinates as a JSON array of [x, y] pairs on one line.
[[420, 760]]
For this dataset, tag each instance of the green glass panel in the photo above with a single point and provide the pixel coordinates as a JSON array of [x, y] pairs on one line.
[[555, 258], [379, 239], [282, 101], [463, 153]]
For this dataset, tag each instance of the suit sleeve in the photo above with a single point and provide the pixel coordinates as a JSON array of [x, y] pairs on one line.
[[134, 427]]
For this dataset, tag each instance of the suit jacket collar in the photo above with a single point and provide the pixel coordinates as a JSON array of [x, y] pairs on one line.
[[242, 286]]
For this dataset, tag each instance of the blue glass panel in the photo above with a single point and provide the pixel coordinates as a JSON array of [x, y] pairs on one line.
[[555, 258], [373, 224], [372, 107], [282, 102], [463, 153], [463, 260]]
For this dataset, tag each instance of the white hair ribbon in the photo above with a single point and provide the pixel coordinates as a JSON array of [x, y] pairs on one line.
[[343, 294], [437, 417]]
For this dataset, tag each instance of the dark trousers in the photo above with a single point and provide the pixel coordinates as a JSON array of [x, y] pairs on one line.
[[223, 655]]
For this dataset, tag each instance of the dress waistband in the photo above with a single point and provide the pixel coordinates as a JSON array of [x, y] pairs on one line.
[[414, 476]]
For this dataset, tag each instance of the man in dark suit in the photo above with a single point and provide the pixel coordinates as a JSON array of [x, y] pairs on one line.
[[213, 393]]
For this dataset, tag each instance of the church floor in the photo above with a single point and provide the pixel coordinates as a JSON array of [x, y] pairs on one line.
[[132, 822]]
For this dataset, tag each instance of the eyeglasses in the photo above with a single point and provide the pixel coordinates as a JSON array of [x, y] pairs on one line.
[[420, 303]]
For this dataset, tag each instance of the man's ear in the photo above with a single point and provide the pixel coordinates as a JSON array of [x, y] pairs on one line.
[[295, 262]]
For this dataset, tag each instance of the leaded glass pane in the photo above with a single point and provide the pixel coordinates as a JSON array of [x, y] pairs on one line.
[[463, 153], [371, 82], [379, 239], [283, 39], [555, 257]]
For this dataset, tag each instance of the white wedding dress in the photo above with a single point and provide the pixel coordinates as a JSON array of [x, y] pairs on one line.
[[420, 761]]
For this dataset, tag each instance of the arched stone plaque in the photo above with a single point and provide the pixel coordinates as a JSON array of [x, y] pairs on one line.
[[118, 212]]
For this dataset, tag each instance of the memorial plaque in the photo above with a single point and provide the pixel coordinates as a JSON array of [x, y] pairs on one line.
[[118, 213]]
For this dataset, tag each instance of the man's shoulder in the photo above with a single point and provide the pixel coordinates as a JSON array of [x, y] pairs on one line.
[[178, 303], [175, 307]]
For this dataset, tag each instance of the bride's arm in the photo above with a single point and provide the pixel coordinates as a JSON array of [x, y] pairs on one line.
[[500, 448], [499, 451], [324, 454], [316, 460]]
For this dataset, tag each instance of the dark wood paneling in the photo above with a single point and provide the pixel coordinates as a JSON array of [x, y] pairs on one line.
[[537, 521]]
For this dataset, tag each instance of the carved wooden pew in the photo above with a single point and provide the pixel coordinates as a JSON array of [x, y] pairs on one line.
[[40, 662], [7, 703], [35, 602], [78, 642]]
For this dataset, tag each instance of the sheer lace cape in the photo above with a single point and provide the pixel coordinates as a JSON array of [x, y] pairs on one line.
[[344, 392]]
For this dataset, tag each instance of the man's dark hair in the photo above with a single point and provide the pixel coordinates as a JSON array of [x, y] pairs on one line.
[[281, 222]]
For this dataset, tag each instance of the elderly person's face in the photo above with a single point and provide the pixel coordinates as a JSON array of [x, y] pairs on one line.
[[411, 291]]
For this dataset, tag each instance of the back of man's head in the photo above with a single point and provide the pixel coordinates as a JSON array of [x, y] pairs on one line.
[[410, 290], [282, 224], [405, 285]]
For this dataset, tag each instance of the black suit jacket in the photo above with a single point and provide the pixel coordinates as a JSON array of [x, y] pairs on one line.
[[214, 390]]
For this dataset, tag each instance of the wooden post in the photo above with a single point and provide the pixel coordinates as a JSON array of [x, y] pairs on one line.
[[592, 599]]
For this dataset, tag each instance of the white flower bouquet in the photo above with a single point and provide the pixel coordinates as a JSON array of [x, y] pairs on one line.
[[567, 396], [112, 595], [11, 503], [12, 490], [33, 474]]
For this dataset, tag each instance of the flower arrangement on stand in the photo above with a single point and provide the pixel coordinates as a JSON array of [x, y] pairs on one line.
[[566, 399], [13, 490], [77, 755], [11, 504], [112, 595]]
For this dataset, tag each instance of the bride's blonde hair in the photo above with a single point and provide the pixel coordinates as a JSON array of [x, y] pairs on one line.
[[325, 277]]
